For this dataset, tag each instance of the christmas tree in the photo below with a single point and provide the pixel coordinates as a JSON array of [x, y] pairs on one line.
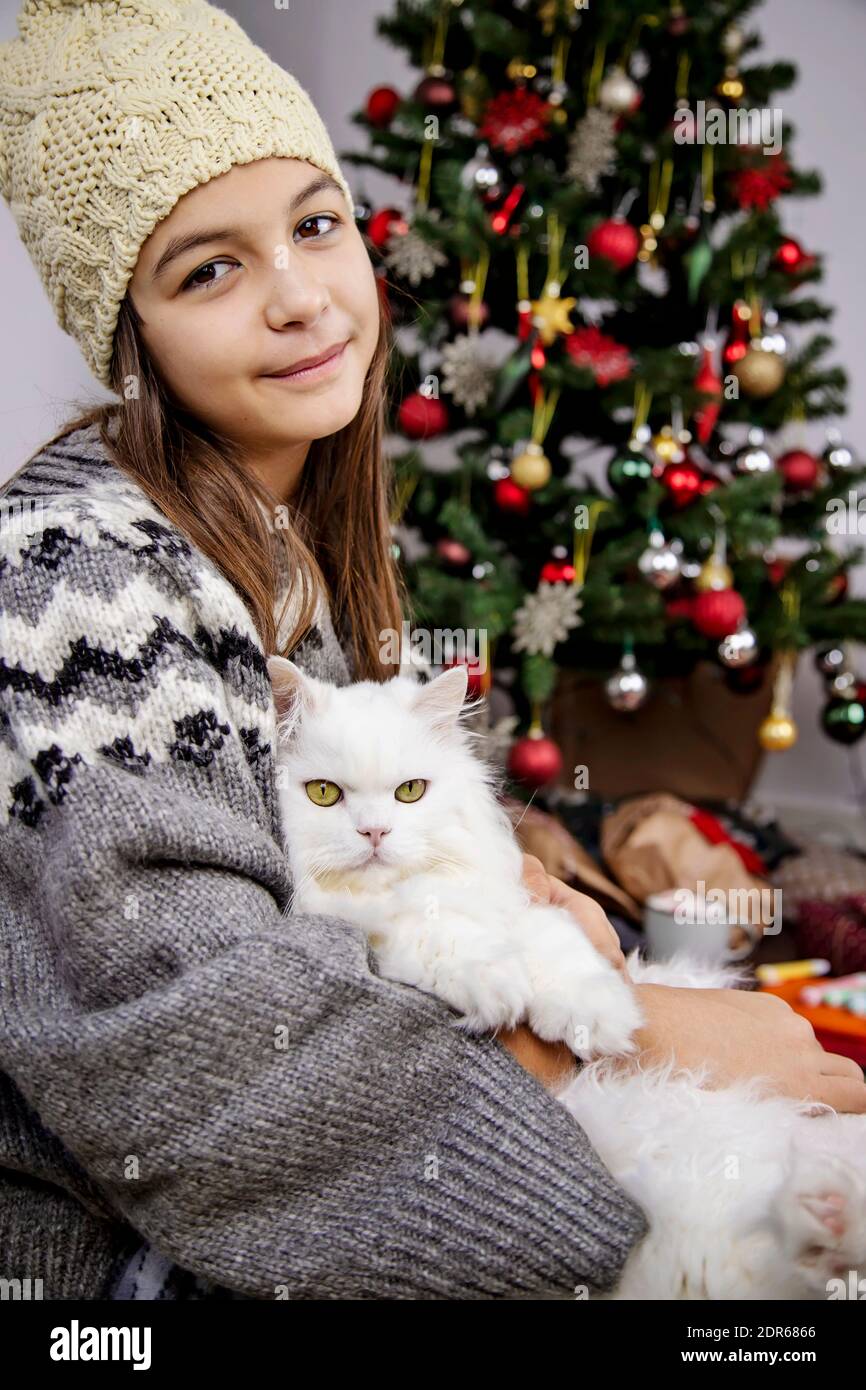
[[594, 257]]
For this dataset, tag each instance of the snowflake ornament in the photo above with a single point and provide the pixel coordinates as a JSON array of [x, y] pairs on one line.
[[546, 618], [468, 374], [592, 148], [498, 738], [410, 256]]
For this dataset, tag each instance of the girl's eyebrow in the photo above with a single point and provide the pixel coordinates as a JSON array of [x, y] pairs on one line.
[[178, 245]]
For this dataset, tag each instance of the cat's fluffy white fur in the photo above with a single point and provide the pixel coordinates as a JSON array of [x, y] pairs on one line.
[[749, 1194]]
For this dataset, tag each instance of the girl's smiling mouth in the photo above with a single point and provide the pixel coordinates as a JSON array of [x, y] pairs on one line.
[[319, 367]]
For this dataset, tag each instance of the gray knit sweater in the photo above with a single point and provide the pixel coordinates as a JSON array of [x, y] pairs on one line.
[[185, 1072]]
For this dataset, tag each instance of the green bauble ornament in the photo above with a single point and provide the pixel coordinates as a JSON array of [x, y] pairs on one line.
[[629, 472], [844, 721]]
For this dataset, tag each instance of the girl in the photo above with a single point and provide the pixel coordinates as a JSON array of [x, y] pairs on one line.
[[199, 1098]]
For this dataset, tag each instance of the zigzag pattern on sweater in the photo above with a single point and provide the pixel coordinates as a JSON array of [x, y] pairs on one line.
[[119, 639]]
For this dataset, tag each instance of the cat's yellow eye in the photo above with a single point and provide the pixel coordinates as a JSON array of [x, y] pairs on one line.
[[323, 793], [412, 790]]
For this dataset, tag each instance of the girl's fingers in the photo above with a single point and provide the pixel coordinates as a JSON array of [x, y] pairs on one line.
[[536, 878], [586, 912]]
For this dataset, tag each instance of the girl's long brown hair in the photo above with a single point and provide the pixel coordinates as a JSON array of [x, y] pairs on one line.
[[338, 534]]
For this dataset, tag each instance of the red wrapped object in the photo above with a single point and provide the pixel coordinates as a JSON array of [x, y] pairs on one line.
[[715, 832], [834, 930]]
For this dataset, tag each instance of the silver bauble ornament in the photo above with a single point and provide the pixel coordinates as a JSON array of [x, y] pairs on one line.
[[739, 648], [842, 686], [732, 41], [831, 660], [480, 174], [659, 563], [628, 687], [753, 458], [617, 92], [839, 457]]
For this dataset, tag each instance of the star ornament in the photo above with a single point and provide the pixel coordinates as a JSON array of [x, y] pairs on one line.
[[551, 316]]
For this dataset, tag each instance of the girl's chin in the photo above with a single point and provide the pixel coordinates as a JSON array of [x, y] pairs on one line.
[[326, 411]]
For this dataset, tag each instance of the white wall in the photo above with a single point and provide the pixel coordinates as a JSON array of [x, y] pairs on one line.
[[332, 48]]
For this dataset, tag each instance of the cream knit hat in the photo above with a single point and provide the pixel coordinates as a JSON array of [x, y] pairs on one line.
[[111, 110]]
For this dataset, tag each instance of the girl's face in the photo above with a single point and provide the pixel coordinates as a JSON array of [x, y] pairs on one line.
[[249, 274]]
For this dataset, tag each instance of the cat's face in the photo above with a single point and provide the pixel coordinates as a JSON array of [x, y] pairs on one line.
[[370, 775]]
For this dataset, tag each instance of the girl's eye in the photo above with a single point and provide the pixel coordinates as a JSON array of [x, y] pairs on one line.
[[319, 217], [323, 793], [188, 284], [412, 790]]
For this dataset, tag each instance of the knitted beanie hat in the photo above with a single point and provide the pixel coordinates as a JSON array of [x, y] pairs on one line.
[[111, 110]]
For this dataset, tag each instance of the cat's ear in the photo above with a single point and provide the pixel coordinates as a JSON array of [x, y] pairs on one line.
[[293, 689], [440, 701]]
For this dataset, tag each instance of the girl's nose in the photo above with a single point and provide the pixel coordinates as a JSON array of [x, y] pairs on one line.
[[296, 296]]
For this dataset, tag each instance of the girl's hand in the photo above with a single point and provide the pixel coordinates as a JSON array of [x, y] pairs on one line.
[[586, 912], [740, 1034]]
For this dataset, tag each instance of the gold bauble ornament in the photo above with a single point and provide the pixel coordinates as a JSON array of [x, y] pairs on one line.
[[667, 447], [760, 372], [714, 574], [777, 733], [731, 86], [551, 315], [474, 93], [519, 70], [531, 469]]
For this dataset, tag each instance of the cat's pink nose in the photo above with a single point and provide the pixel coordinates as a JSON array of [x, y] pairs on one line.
[[376, 834]]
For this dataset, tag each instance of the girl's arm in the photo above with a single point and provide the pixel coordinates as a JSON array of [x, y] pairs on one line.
[[242, 1088], [764, 1036]]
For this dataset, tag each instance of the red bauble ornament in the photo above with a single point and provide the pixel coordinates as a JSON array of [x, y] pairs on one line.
[[454, 553], [677, 608], [381, 105], [510, 497], [616, 241], [557, 572], [422, 417], [837, 588], [776, 571], [515, 119], [459, 307], [717, 612], [480, 676], [708, 379], [791, 257], [739, 336], [535, 761], [385, 223], [799, 469], [684, 481], [434, 91]]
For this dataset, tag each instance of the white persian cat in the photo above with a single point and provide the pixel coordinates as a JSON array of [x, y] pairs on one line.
[[392, 822]]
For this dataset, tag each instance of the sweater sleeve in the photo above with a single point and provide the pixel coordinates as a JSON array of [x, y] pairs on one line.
[[243, 1087]]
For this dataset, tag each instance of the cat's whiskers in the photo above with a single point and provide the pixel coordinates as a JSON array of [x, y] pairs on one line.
[[299, 885]]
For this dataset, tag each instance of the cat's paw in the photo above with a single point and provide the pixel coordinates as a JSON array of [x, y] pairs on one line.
[[490, 986], [597, 1017], [822, 1212]]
